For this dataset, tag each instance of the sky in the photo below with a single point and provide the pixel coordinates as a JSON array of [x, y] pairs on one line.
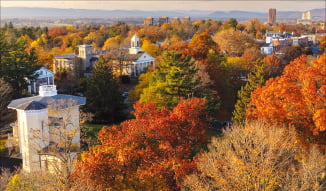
[[210, 5]]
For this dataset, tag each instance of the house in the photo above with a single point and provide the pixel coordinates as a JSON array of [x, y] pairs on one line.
[[46, 124], [45, 77], [267, 48], [132, 61]]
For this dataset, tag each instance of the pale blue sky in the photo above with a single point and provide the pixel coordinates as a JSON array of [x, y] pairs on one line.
[[261, 6]]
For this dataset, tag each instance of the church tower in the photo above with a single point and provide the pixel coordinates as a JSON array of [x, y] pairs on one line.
[[135, 45]]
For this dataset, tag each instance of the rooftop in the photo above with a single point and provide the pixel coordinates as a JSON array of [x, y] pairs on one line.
[[67, 56], [60, 101]]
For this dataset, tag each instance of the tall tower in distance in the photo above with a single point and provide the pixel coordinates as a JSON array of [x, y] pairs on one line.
[[272, 16], [306, 15]]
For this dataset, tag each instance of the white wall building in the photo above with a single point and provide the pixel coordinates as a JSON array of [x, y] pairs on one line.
[[133, 61], [45, 124], [45, 77]]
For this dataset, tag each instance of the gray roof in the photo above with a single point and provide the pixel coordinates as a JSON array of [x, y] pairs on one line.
[[117, 54], [59, 101], [32, 105], [66, 56]]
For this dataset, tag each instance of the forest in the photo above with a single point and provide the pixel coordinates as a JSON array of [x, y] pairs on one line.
[[212, 113]]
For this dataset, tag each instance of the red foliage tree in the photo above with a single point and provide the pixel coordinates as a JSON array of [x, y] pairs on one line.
[[296, 98], [154, 151]]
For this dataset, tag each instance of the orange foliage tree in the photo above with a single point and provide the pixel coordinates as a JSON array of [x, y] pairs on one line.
[[296, 98], [200, 45], [154, 151]]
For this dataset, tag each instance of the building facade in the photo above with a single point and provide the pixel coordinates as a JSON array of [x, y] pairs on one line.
[[162, 20], [148, 21], [272, 16], [186, 20], [81, 62], [130, 62], [45, 125]]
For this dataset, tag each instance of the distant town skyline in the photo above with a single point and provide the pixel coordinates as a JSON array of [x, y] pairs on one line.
[[258, 6]]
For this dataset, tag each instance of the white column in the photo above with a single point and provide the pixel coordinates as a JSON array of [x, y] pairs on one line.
[[34, 83]]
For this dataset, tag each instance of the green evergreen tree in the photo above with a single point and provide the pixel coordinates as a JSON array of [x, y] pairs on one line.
[[233, 22], [175, 78], [102, 93], [255, 78], [16, 64]]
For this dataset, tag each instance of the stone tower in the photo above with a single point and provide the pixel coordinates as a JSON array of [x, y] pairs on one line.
[[85, 53]]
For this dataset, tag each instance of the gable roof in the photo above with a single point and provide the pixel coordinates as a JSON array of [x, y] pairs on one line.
[[117, 54]]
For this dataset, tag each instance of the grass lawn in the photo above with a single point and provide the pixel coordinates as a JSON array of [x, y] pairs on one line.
[[93, 129]]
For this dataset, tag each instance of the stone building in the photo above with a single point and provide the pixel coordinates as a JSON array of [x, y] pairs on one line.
[[148, 21], [46, 124], [81, 62], [272, 16], [175, 20], [162, 20], [186, 20]]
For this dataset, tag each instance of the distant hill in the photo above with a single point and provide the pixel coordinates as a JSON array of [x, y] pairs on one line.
[[23, 12]]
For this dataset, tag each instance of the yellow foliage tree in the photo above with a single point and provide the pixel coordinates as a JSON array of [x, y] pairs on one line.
[[151, 48]]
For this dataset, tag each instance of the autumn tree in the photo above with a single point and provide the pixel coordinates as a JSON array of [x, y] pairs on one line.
[[224, 73], [251, 55], [154, 151], [173, 79], [143, 82], [253, 26], [200, 45], [257, 157], [296, 98], [104, 99], [322, 45], [255, 79], [112, 43], [292, 52], [17, 65], [151, 48], [181, 47], [233, 22], [273, 66], [233, 43]]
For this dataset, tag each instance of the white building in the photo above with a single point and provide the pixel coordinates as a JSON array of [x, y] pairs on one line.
[[130, 62], [45, 77], [45, 124], [267, 49]]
